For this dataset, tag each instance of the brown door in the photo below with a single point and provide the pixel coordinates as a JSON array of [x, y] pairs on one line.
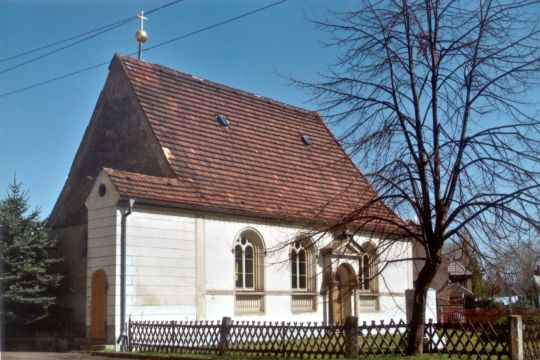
[[98, 329], [336, 301], [341, 294]]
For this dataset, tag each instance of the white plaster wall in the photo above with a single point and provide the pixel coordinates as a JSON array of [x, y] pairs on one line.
[[103, 249], [393, 280], [220, 233], [431, 305], [396, 276], [161, 269], [391, 307], [160, 265]]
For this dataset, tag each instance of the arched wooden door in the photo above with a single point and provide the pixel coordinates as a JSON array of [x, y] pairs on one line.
[[98, 328]]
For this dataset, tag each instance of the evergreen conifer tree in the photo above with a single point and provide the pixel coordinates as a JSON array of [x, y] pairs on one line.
[[27, 260]]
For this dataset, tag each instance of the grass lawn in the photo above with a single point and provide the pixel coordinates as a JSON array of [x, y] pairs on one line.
[[215, 357], [233, 357]]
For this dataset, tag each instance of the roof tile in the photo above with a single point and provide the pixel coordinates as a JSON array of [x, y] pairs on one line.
[[258, 165]]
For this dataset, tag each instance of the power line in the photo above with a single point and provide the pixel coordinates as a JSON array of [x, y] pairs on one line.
[[131, 18], [150, 48], [214, 25], [53, 79], [63, 47], [95, 32]]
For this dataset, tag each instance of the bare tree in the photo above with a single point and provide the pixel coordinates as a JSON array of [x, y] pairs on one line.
[[515, 265], [431, 100]]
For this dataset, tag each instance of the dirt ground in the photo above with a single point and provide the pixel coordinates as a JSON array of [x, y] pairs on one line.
[[49, 356]]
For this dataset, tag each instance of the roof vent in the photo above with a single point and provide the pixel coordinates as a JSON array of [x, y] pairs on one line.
[[223, 121], [306, 139]]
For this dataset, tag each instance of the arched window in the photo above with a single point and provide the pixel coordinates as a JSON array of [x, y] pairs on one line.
[[368, 269], [244, 261], [368, 282], [299, 267], [248, 261], [365, 273], [303, 275], [248, 252]]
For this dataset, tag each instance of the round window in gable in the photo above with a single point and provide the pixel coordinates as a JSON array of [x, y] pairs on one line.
[[102, 190]]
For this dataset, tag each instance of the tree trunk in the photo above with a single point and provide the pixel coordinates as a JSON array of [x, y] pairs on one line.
[[418, 319]]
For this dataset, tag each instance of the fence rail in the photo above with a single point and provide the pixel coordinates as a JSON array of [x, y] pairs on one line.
[[316, 340], [531, 339], [470, 340], [285, 339], [172, 336]]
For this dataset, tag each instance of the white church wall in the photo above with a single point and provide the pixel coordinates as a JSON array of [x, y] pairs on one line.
[[392, 280], [160, 265], [103, 250], [391, 307], [395, 277], [164, 283], [220, 234]]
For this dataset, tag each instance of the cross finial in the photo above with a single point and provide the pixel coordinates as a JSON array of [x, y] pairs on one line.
[[141, 35], [142, 18]]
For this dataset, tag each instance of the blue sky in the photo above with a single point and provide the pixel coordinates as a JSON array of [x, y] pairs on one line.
[[40, 129]]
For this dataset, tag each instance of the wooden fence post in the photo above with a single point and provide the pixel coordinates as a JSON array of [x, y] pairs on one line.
[[172, 336], [129, 346], [351, 337], [283, 341], [516, 337], [224, 335]]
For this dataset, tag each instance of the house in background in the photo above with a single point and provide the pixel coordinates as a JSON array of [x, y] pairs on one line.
[[508, 294], [457, 288], [192, 200], [452, 282]]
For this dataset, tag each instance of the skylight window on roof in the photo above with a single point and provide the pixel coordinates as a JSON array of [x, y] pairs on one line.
[[306, 140], [223, 121]]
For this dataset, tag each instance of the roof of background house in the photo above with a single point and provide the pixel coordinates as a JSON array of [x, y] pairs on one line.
[[456, 268], [450, 287]]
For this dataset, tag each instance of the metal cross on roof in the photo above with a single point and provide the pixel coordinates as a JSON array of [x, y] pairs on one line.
[[141, 35], [142, 18]]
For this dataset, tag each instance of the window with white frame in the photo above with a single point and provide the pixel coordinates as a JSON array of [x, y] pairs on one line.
[[298, 267], [365, 273], [368, 281], [303, 275], [248, 252], [244, 264]]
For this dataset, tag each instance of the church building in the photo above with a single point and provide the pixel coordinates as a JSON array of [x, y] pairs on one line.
[[191, 200]]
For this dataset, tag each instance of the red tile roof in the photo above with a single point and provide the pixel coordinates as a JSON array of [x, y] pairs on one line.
[[259, 165]]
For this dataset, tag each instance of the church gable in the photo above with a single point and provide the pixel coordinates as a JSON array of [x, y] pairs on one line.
[[349, 248], [175, 138], [117, 136], [346, 247]]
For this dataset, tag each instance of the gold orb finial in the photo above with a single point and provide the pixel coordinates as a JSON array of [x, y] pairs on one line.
[[141, 36]]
